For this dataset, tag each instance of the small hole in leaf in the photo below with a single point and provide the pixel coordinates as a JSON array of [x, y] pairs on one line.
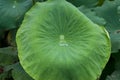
[[117, 31]]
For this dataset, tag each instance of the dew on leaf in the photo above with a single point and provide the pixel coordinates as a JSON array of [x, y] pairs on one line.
[[13, 6]]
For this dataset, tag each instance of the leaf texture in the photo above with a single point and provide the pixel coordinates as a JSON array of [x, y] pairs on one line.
[[57, 42]]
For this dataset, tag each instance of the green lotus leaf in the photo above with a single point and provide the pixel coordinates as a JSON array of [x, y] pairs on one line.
[[110, 11], [58, 42], [113, 19], [12, 11], [115, 40], [92, 15], [19, 74], [88, 3], [8, 55]]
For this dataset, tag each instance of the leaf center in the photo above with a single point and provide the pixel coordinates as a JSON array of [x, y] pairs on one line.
[[62, 41]]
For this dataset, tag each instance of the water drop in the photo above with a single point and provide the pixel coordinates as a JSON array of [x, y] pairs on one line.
[[14, 6]]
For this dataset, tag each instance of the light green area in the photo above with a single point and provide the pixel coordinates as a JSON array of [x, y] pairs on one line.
[[49, 23]]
